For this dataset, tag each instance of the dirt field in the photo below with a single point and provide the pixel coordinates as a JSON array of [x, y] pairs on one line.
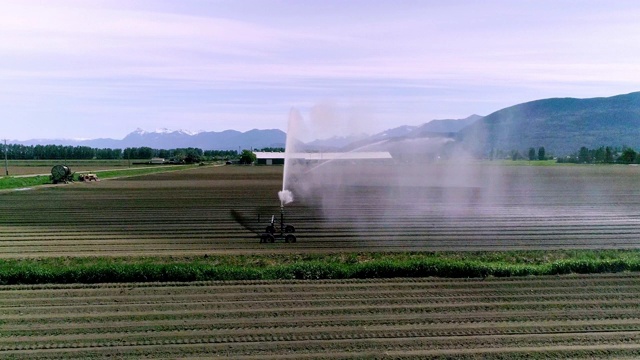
[[189, 213], [569, 317]]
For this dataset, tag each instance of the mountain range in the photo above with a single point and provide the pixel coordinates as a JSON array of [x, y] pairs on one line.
[[253, 139], [561, 125], [167, 139]]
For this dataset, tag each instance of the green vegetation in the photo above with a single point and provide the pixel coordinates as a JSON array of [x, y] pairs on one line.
[[320, 266], [62, 152], [72, 163], [23, 182], [247, 157], [561, 125], [526, 163], [106, 174], [602, 155], [10, 182]]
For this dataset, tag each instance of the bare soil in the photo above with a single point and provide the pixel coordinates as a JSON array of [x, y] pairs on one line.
[[567, 317], [190, 213]]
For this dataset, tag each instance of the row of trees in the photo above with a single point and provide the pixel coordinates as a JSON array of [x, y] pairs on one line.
[[533, 154], [602, 155], [541, 154], [61, 152]]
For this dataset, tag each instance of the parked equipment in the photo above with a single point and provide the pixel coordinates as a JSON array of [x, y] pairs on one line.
[[61, 173], [88, 177]]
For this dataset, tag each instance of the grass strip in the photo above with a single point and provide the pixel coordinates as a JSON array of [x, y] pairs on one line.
[[316, 267], [105, 174], [10, 182], [23, 182]]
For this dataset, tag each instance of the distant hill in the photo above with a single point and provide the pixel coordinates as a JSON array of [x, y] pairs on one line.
[[331, 144], [433, 129], [561, 125], [443, 126], [166, 139]]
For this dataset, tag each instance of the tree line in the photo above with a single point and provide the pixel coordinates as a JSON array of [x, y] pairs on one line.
[[533, 154], [66, 152], [602, 155]]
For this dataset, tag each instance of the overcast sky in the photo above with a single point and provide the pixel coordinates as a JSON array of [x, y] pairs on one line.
[[90, 68]]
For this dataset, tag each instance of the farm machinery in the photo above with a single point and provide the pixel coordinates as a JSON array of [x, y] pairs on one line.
[[278, 231], [61, 174], [88, 177]]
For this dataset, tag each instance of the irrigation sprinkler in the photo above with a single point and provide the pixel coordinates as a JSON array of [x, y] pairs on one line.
[[281, 231], [61, 174], [6, 161]]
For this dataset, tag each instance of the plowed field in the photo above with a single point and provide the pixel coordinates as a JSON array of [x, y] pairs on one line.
[[189, 213], [565, 317]]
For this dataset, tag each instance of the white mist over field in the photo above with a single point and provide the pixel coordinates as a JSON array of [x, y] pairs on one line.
[[431, 194], [382, 180]]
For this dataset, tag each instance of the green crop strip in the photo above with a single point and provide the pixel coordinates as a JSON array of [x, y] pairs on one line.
[[23, 182], [29, 181], [329, 266]]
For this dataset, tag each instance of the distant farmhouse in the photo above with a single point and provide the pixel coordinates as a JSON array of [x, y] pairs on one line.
[[277, 158]]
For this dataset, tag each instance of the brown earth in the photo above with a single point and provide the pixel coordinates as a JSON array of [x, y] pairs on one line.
[[190, 213], [567, 317]]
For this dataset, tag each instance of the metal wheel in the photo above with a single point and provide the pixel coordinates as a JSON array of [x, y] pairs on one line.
[[271, 238], [290, 239], [289, 229]]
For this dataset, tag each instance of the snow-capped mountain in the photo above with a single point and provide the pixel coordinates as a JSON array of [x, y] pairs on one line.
[[172, 139], [254, 139]]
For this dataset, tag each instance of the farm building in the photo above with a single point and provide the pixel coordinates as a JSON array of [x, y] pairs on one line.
[[269, 158], [277, 158]]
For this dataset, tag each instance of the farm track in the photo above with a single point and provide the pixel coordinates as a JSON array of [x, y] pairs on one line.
[[594, 316]]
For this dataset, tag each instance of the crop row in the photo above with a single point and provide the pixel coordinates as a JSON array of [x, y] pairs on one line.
[[592, 316], [37, 272], [190, 212]]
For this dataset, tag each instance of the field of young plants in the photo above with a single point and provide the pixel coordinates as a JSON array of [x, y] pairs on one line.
[[192, 213], [364, 242], [569, 317]]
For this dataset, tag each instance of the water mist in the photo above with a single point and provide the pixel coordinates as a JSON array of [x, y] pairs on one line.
[[295, 120]]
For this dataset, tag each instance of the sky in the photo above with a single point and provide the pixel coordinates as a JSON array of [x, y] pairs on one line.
[[87, 69]]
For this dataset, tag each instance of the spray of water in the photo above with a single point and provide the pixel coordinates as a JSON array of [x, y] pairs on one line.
[[291, 145], [429, 192], [293, 129], [285, 197], [361, 185]]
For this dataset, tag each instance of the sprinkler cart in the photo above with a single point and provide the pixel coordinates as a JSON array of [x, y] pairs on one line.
[[280, 231]]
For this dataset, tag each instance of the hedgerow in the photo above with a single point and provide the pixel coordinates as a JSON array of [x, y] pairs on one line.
[[315, 267]]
